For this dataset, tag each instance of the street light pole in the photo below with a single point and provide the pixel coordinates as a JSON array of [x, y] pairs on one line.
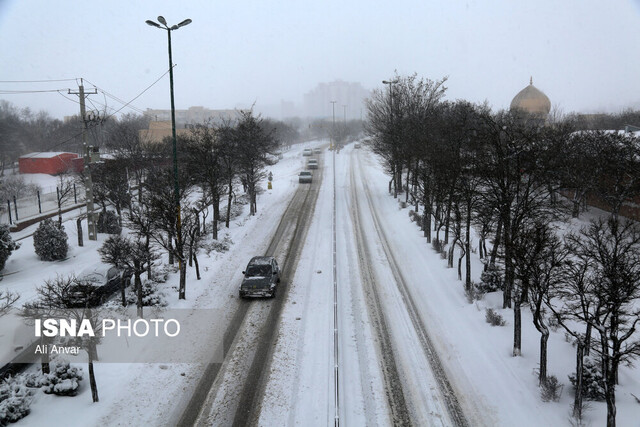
[[176, 184], [333, 127]]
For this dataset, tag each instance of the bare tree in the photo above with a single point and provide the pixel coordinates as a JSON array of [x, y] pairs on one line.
[[611, 251], [253, 145], [64, 192], [128, 255], [54, 301]]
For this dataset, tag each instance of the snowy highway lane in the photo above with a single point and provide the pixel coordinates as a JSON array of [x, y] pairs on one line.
[[386, 375]]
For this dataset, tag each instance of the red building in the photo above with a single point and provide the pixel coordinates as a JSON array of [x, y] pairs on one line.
[[52, 163]]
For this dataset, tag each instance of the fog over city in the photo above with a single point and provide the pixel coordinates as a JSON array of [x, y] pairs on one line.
[[582, 54]]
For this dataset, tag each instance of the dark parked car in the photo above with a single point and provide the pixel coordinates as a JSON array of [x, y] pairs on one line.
[[261, 277], [94, 286]]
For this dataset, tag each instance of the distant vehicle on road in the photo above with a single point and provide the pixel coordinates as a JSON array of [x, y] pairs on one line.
[[261, 277], [307, 152], [312, 164], [305, 177], [356, 145], [317, 151], [94, 286]]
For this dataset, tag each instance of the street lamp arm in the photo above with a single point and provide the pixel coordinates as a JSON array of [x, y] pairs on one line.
[[153, 24]]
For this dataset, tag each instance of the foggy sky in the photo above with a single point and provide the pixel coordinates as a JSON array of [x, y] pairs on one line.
[[582, 53]]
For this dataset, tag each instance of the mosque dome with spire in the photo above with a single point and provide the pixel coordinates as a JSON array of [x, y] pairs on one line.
[[532, 100]]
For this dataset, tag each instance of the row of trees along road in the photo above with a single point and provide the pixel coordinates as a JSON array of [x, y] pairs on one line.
[[504, 175], [214, 160]]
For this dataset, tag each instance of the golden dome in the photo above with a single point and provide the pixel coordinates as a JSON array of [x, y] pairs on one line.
[[532, 100]]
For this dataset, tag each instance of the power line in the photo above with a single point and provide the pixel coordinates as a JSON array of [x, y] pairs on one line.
[[106, 93], [136, 97], [13, 92], [38, 81]]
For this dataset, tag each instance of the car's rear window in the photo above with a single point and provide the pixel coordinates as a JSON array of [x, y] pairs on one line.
[[258, 270]]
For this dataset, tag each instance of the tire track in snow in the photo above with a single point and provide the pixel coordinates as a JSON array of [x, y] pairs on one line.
[[393, 384], [446, 390], [196, 411]]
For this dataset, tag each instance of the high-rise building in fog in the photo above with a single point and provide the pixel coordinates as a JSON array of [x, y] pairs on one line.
[[317, 102]]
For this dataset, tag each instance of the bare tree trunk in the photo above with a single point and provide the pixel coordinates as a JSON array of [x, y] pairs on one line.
[[45, 357], [183, 280], [446, 222], [467, 249], [216, 215], [147, 245], [544, 338], [195, 260], [226, 222], [92, 376], [577, 401], [138, 286], [406, 196], [496, 243], [171, 260], [517, 329], [509, 272], [79, 227], [123, 286]]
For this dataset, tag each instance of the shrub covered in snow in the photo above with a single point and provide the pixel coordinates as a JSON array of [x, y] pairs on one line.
[[108, 223], [494, 318], [15, 400], [50, 241], [492, 279], [61, 381], [551, 389], [151, 296], [219, 245], [236, 211], [592, 381], [7, 245]]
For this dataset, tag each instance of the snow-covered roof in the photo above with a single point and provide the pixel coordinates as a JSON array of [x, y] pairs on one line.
[[45, 155]]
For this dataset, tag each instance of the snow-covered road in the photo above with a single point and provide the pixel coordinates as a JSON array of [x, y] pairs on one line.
[[385, 360]]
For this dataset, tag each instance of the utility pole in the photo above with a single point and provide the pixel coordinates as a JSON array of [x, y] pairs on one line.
[[88, 183]]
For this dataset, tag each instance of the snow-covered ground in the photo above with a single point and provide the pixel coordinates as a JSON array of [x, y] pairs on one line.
[[493, 388]]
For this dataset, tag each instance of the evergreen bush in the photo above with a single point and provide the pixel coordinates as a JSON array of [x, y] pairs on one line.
[[592, 380], [151, 296], [494, 318], [7, 245], [492, 279], [50, 241], [108, 223]]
